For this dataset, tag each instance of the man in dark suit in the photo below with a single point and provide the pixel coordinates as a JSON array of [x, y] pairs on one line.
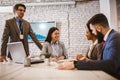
[[110, 60], [17, 29]]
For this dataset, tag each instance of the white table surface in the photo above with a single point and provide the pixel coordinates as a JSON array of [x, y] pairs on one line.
[[12, 71]]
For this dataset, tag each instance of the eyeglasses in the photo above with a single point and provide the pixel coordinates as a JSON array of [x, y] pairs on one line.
[[21, 10]]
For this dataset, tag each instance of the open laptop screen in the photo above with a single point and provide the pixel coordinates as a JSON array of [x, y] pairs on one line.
[[17, 51]]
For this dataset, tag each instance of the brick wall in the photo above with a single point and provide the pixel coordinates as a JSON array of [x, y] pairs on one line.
[[70, 20]]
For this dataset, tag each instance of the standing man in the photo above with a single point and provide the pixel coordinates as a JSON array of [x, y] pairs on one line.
[[17, 29], [110, 60]]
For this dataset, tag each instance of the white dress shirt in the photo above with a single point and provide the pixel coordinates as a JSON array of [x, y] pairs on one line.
[[91, 48], [106, 35]]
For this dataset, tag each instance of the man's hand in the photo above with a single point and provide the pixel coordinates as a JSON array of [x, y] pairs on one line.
[[3, 58], [66, 66], [53, 59]]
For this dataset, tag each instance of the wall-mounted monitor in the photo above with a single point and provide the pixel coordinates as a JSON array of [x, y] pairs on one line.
[[41, 29]]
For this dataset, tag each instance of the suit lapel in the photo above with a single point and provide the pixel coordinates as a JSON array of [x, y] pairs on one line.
[[15, 26], [109, 36], [103, 45], [106, 42], [22, 26], [90, 51]]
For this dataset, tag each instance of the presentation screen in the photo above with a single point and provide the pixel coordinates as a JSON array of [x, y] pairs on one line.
[[41, 29]]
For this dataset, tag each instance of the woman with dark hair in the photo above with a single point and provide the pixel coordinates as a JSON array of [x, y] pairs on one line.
[[53, 46], [95, 50]]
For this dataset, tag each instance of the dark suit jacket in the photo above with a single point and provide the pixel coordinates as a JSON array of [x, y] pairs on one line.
[[11, 30], [95, 52], [110, 59]]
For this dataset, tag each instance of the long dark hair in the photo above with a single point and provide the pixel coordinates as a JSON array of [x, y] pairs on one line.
[[89, 29], [51, 30]]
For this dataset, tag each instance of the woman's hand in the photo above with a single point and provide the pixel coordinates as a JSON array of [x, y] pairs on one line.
[[79, 56], [61, 58], [84, 58], [53, 59]]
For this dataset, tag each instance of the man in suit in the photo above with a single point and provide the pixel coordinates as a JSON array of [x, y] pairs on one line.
[[17, 29], [110, 60]]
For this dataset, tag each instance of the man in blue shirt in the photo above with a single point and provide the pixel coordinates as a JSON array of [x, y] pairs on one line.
[[17, 29]]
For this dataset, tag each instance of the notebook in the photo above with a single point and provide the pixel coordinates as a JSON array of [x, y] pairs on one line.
[[18, 53]]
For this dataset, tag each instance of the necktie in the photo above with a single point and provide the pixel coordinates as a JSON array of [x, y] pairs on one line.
[[21, 32], [20, 23], [103, 44]]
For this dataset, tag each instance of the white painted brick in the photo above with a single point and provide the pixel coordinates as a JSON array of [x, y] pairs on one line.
[[70, 20]]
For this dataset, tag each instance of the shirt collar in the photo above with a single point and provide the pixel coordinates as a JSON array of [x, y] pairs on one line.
[[54, 42], [106, 35], [17, 19], [96, 41]]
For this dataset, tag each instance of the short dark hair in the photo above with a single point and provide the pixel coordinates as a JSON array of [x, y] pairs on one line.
[[100, 19], [51, 30], [18, 5]]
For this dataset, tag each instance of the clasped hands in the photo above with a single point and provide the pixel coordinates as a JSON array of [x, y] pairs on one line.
[[57, 59]]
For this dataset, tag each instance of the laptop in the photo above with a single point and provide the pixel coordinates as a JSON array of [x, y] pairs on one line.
[[18, 53]]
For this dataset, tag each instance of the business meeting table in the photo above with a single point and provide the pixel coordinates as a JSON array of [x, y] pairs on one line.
[[41, 71]]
